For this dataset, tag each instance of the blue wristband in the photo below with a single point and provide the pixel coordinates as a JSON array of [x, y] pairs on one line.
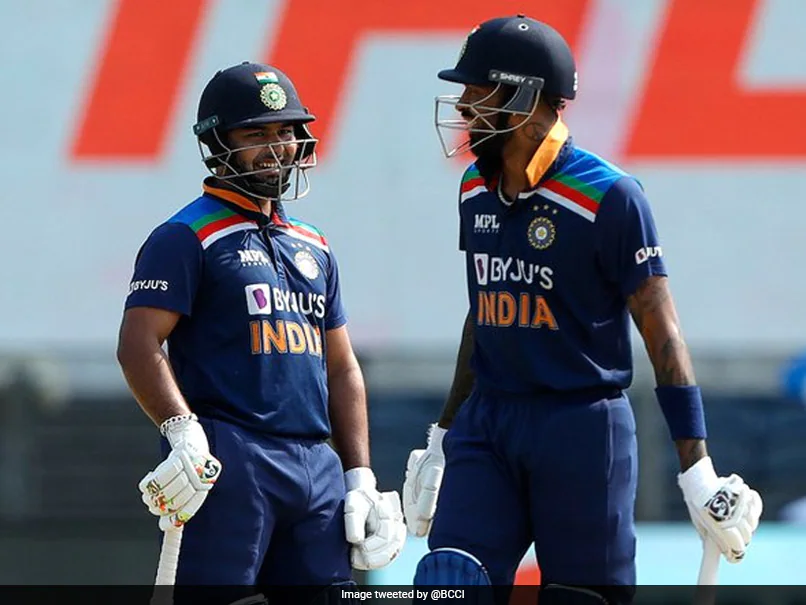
[[682, 407]]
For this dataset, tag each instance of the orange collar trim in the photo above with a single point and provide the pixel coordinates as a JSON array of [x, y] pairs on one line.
[[231, 196], [547, 153]]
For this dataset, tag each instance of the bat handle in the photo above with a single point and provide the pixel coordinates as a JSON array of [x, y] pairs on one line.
[[709, 568], [169, 557], [166, 569]]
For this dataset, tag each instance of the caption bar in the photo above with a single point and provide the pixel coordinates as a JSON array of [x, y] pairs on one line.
[[433, 595]]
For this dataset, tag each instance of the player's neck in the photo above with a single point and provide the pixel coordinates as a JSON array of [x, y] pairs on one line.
[[516, 157], [264, 204]]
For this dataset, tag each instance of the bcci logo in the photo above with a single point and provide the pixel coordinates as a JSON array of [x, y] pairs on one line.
[[306, 264], [273, 96], [541, 233]]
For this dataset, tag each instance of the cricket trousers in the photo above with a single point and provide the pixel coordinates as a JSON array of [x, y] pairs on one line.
[[274, 518], [559, 470]]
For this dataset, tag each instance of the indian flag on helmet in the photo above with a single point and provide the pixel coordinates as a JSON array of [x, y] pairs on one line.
[[266, 77]]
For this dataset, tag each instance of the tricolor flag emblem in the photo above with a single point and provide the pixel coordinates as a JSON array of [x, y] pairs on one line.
[[266, 77]]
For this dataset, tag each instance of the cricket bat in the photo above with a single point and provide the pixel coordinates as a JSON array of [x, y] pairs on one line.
[[166, 568], [709, 567], [708, 576], [169, 557]]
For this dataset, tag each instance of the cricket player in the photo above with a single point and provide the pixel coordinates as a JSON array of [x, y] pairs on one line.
[[259, 371], [536, 443]]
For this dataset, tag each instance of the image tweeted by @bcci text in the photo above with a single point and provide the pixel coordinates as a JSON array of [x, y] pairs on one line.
[[412, 595]]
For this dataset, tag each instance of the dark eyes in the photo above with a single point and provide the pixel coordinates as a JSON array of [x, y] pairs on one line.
[[283, 133]]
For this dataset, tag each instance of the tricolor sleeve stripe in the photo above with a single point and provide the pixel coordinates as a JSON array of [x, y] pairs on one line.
[[307, 230], [216, 229], [471, 174], [477, 190], [304, 235], [573, 195], [472, 184], [567, 203], [587, 189], [214, 224], [194, 211]]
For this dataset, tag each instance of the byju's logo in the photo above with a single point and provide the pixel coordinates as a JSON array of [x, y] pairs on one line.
[[642, 255]]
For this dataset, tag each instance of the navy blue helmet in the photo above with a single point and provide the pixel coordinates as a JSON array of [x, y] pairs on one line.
[[516, 46], [527, 58], [247, 95]]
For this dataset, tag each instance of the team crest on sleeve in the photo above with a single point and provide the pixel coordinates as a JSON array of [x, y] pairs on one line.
[[541, 232], [306, 264]]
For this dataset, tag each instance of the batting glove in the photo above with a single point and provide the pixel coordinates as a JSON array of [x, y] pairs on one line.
[[723, 509], [176, 489], [423, 478], [373, 521]]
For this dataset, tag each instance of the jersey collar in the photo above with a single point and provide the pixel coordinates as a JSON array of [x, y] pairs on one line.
[[242, 204], [552, 152], [548, 153]]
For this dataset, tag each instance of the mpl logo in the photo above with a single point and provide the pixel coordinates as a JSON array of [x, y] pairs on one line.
[[485, 223], [250, 258], [642, 255]]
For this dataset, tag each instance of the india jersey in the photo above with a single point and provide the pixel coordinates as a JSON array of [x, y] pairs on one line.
[[549, 275], [256, 296]]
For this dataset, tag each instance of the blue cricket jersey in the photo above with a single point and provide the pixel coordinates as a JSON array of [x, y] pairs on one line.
[[257, 295], [549, 274]]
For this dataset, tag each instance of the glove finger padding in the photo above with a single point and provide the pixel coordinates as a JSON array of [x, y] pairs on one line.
[[165, 472], [413, 462], [357, 509], [754, 509], [744, 530], [184, 515], [429, 491], [387, 534]]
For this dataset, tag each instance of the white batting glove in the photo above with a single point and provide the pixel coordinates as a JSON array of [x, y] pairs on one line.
[[373, 521], [723, 509], [421, 487], [176, 489]]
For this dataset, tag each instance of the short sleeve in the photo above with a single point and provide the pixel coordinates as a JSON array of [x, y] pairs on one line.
[[335, 315], [461, 228], [628, 245], [167, 270]]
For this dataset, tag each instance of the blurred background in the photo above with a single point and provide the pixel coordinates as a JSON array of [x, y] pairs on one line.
[[703, 100]]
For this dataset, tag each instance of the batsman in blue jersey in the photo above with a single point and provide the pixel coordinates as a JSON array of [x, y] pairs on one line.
[[259, 372], [536, 443]]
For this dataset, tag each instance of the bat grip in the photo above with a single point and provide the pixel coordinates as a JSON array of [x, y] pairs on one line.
[[709, 568], [166, 569]]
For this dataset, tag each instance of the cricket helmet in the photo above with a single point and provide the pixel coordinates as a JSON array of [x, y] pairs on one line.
[[247, 95], [528, 57]]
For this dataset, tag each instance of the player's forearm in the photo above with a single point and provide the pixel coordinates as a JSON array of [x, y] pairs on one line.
[[673, 367], [655, 316], [463, 377], [148, 373], [348, 416], [654, 313]]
